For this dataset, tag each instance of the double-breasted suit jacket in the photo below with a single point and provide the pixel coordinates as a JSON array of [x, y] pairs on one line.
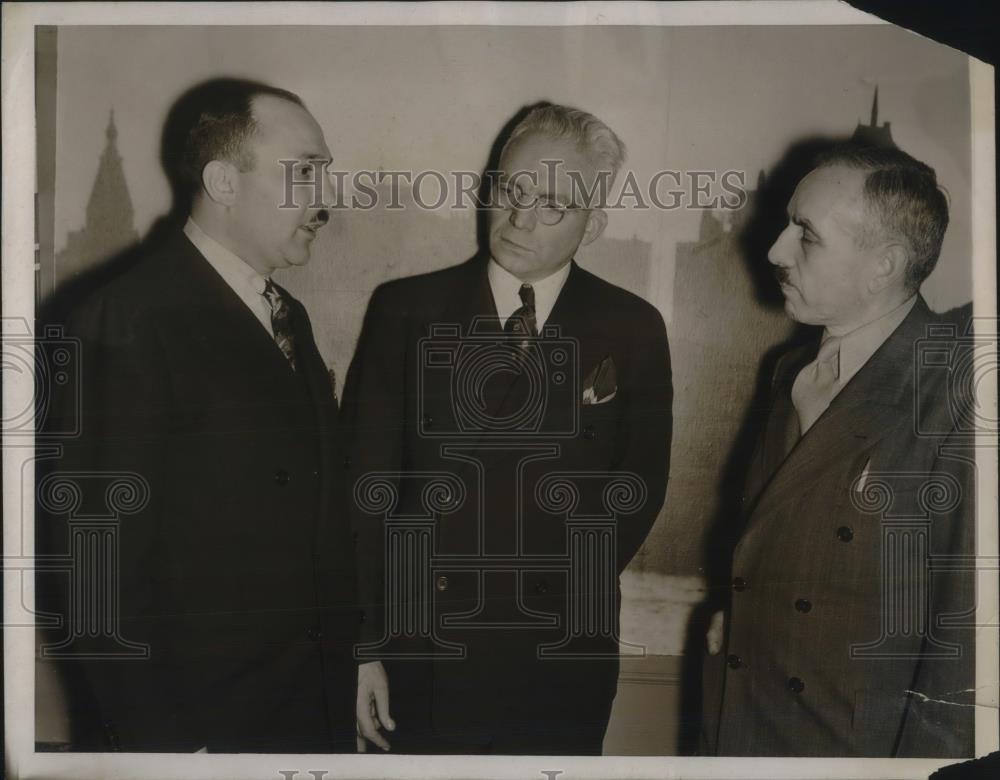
[[520, 458], [237, 573], [838, 641]]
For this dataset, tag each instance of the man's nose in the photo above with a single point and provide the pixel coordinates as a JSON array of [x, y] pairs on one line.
[[329, 184], [780, 251], [523, 219]]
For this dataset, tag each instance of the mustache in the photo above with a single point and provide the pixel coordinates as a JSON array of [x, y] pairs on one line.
[[319, 219], [781, 274]]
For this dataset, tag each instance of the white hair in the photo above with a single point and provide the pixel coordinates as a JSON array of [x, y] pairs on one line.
[[592, 135]]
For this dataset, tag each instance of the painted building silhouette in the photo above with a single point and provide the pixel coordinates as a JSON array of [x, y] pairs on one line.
[[110, 222], [721, 333], [874, 134]]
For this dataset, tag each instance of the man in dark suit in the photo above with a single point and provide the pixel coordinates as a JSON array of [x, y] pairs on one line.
[[516, 411], [844, 637], [203, 389]]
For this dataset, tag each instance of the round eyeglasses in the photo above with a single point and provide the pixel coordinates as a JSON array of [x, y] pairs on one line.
[[549, 210]]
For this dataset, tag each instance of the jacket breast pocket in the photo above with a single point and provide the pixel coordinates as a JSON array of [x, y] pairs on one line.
[[600, 428]]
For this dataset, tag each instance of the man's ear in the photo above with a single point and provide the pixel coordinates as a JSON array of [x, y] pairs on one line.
[[890, 268], [597, 220], [220, 182]]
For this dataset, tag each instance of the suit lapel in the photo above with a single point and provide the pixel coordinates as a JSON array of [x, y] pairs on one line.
[[781, 433], [313, 373], [565, 313], [218, 317], [856, 419], [472, 305], [471, 296]]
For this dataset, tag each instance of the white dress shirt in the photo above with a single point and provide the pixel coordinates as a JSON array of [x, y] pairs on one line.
[[243, 279], [505, 287]]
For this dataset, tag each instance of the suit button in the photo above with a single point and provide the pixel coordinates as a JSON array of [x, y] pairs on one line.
[[442, 583], [427, 421], [111, 735], [589, 433], [795, 685], [803, 605], [281, 477], [314, 634], [541, 588], [845, 533], [740, 584], [347, 461], [734, 661]]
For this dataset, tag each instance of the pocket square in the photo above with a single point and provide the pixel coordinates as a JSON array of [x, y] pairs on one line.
[[861, 481], [601, 384]]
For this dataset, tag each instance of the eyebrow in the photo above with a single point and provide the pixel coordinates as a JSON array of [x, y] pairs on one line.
[[315, 157], [504, 179], [802, 222]]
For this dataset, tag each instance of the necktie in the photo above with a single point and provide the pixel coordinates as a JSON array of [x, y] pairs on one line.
[[813, 388], [281, 315], [522, 321]]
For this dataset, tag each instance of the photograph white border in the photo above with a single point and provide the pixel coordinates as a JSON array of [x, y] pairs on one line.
[[18, 307]]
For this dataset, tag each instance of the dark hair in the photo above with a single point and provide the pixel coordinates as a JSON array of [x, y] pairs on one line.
[[903, 202], [220, 120]]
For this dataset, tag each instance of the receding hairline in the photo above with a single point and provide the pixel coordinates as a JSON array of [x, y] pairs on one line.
[[856, 198], [256, 135]]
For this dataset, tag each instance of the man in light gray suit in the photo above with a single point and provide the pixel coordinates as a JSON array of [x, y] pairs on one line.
[[836, 638]]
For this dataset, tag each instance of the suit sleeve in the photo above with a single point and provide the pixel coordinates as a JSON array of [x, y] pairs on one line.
[[375, 415], [940, 715], [648, 428]]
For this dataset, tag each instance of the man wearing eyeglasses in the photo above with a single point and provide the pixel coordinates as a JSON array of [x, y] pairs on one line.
[[519, 408]]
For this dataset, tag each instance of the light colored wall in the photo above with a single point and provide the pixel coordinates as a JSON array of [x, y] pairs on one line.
[[434, 98]]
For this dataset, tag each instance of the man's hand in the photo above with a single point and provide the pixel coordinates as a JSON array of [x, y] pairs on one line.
[[373, 706], [713, 637]]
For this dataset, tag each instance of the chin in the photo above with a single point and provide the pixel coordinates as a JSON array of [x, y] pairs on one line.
[[511, 262], [296, 257], [798, 316]]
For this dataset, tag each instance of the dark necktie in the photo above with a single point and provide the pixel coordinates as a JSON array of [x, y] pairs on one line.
[[281, 316], [522, 322]]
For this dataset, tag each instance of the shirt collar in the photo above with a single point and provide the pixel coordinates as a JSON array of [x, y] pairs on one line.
[[861, 343], [237, 273], [505, 287]]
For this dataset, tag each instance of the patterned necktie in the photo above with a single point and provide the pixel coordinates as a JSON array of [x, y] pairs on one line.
[[522, 322], [813, 388], [281, 315]]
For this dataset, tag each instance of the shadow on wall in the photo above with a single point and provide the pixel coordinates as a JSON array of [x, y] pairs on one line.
[[60, 686], [72, 291], [701, 674]]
